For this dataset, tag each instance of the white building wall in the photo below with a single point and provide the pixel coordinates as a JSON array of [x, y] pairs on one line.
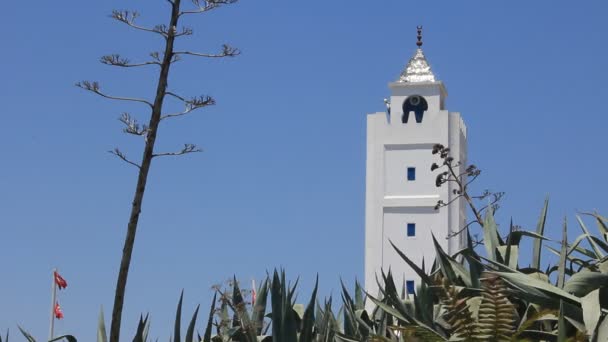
[[392, 201]]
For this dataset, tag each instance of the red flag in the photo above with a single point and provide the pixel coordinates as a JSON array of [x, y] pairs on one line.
[[58, 312], [61, 283], [253, 294]]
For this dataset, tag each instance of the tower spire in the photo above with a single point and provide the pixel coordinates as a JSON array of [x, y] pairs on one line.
[[418, 68]]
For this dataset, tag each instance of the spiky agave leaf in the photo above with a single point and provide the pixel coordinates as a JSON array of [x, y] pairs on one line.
[[350, 322], [595, 243], [259, 307], [241, 314], [359, 296], [357, 324], [423, 276], [207, 335], [308, 319], [561, 269], [26, 335], [456, 273], [190, 330], [540, 230], [142, 329], [490, 234], [101, 328], [69, 338], [178, 319], [284, 325]]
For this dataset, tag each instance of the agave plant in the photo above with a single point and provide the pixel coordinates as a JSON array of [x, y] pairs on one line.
[[30, 338], [288, 321], [467, 296]]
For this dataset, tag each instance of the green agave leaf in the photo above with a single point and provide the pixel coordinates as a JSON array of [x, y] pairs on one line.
[[26, 335], [240, 310], [299, 310], [561, 270], [141, 332], [506, 253], [342, 337], [101, 328], [518, 234], [540, 230], [580, 326], [146, 329], [561, 324], [350, 325], [581, 283], [490, 234], [545, 300], [584, 251], [69, 338], [593, 241], [359, 297], [190, 330], [410, 321], [568, 257], [259, 308], [475, 267], [451, 269], [178, 319], [365, 323], [536, 335], [602, 224], [510, 254], [308, 319], [423, 276], [207, 335], [390, 310], [284, 326], [523, 280], [591, 310], [601, 332]]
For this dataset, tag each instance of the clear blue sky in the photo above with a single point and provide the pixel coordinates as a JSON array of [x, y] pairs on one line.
[[281, 181]]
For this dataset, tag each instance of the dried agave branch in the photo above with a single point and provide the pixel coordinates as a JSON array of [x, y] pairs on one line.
[[204, 6], [191, 104], [117, 60], [164, 60], [122, 156], [188, 148], [94, 88], [227, 51], [132, 126], [462, 180], [129, 17]]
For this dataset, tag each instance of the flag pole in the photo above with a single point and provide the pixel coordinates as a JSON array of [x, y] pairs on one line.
[[53, 301]]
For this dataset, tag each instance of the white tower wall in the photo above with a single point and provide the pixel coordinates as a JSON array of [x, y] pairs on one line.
[[393, 201]]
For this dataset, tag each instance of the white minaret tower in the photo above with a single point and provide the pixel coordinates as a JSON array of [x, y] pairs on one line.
[[400, 187]]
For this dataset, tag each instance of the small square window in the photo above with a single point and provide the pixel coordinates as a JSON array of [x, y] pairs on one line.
[[410, 287], [411, 229], [411, 173]]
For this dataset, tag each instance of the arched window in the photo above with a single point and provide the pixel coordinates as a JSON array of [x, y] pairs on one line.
[[416, 104]]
